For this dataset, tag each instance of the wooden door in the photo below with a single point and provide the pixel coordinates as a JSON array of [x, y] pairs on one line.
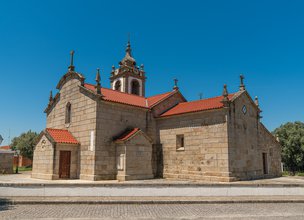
[[64, 164]]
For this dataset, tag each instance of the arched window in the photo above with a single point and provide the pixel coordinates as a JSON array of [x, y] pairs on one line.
[[117, 85], [135, 87], [68, 113]]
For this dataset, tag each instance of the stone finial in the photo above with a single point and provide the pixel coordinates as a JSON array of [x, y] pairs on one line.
[[72, 67], [225, 93], [113, 70], [256, 101], [225, 99], [128, 60], [128, 48], [142, 67], [175, 87], [51, 97], [97, 79], [242, 85]]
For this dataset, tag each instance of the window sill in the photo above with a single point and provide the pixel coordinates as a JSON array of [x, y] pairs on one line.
[[180, 149]]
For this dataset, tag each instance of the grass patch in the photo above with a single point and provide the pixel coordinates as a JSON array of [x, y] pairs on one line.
[[23, 169], [286, 173]]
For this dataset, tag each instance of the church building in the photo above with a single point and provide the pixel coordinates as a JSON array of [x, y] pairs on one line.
[[96, 133]]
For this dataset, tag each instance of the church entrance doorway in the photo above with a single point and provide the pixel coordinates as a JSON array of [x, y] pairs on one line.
[[64, 164]]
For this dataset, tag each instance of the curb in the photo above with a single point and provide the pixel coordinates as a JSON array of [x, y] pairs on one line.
[[155, 185], [121, 202]]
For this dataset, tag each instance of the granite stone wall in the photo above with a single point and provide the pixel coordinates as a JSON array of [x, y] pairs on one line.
[[157, 155], [205, 153], [248, 140], [43, 159], [112, 120], [167, 104], [134, 159]]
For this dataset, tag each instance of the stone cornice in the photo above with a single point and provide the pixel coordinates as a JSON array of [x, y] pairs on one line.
[[52, 103], [70, 75]]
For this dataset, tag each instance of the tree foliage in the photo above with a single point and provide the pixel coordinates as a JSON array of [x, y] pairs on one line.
[[25, 143], [291, 137]]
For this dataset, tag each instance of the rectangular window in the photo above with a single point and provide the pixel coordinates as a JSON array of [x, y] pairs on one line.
[[265, 163], [180, 142], [68, 113]]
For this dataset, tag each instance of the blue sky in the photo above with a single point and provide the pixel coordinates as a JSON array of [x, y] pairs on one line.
[[204, 44]]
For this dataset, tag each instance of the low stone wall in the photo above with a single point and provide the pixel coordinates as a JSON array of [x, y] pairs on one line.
[[6, 162], [22, 161]]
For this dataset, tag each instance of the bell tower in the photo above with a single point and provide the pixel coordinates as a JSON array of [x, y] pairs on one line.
[[128, 77]]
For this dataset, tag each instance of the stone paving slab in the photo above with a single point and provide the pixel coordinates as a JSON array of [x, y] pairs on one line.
[[232, 211]]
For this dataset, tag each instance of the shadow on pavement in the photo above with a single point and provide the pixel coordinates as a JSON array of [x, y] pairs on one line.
[[5, 204]]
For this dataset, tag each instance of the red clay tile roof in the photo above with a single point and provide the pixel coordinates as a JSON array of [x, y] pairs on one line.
[[195, 106], [5, 147], [126, 135], [129, 99], [62, 136]]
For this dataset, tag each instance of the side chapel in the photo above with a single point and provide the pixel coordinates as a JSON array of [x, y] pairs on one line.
[[97, 133]]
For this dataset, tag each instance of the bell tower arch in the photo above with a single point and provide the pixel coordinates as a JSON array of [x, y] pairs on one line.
[[128, 77]]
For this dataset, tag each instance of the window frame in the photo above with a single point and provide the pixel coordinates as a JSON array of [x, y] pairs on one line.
[[134, 81], [117, 83], [180, 142], [68, 113]]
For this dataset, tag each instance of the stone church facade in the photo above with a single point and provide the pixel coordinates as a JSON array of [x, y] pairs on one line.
[[96, 133]]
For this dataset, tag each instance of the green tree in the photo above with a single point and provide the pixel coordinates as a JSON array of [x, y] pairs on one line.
[[291, 137], [25, 143]]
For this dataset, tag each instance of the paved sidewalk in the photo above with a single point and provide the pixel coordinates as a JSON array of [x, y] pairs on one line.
[[25, 179], [23, 189], [246, 211]]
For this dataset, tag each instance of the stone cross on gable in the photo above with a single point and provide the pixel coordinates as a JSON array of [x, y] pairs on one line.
[[72, 67], [242, 85], [72, 57], [175, 84], [97, 79]]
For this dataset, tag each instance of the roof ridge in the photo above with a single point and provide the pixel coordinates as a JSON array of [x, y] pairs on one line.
[[195, 106], [142, 97], [57, 129], [159, 94], [206, 98], [61, 136], [127, 134], [166, 95]]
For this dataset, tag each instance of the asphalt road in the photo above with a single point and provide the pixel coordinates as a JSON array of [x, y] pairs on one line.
[[156, 211]]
